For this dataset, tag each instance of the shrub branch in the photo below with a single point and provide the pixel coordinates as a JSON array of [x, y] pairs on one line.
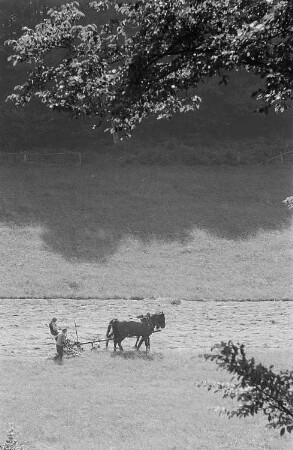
[[257, 387]]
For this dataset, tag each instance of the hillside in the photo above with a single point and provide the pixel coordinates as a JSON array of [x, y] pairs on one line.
[[109, 229]]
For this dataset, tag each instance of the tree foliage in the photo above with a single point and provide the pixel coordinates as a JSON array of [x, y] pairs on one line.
[[288, 202], [11, 442], [257, 388], [148, 57]]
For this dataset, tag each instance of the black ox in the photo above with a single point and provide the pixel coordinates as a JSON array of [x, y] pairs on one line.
[[141, 329]]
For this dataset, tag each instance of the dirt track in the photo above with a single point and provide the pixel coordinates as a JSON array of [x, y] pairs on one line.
[[189, 325]]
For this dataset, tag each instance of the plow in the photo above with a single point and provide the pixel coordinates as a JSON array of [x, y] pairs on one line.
[[92, 342], [95, 343]]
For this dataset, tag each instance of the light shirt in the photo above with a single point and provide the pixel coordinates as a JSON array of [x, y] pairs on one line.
[[61, 339]]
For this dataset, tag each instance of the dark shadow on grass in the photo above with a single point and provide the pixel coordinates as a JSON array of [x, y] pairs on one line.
[[134, 354], [58, 361], [85, 213]]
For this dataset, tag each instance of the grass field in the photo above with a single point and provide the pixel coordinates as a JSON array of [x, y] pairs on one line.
[[100, 402], [110, 229]]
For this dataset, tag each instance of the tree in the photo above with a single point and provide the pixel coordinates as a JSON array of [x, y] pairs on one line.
[[148, 57], [257, 388]]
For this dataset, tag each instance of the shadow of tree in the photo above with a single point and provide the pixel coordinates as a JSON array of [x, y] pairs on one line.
[[87, 212]]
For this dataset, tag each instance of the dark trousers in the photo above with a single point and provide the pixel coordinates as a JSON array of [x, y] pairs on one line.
[[59, 349]]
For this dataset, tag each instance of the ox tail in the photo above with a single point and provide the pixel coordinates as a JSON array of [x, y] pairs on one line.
[[110, 326], [110, 331]]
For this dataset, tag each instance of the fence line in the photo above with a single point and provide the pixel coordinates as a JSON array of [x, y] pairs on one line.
[[26, 155], [281, 156]]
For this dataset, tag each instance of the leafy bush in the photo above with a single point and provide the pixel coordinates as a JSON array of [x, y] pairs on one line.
[[11, 443], [254, 386], [288, 202]]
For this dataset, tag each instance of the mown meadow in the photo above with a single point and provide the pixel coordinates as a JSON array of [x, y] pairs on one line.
[[100, 401], [116, 227], [187, 216], [108, 228]]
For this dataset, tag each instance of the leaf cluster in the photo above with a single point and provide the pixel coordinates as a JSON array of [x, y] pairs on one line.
[[11, 442], [256, 387], [149, 56], [288, 202]]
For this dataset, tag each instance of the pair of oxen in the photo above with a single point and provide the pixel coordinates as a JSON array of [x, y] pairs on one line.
[[141, 328]]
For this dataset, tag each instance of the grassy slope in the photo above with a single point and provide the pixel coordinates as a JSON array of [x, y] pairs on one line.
[[102, 402], [107, 229]]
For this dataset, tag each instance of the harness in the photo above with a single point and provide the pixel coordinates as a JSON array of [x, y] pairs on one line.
[[146, 320]]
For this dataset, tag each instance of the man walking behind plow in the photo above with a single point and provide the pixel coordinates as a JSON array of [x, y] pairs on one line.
[[60, 342]]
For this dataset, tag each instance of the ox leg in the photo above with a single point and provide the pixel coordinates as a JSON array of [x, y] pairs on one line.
[[147, 345], [116, 341], [108, 338], [142, 339], [137, 339]]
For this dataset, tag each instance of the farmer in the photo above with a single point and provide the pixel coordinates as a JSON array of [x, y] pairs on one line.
[[60, 342], [53, 327]]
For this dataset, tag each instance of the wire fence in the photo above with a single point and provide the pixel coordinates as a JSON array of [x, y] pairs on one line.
[[39, 158], [283, 157], [53, 158]]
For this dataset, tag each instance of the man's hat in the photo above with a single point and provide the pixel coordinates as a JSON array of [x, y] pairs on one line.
[[54, 319]]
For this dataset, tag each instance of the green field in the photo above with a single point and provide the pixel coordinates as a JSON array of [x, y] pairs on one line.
[[111, 229], [100, 402]]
